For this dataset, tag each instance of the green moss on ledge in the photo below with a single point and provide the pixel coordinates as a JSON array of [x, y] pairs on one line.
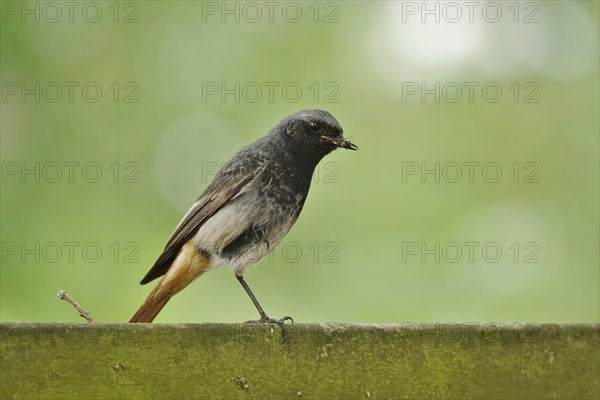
[[333, 361]]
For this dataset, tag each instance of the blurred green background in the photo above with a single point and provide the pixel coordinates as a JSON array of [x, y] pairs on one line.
[[350, 257]]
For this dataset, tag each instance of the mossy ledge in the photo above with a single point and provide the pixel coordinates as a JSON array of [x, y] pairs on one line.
[[319, 361]]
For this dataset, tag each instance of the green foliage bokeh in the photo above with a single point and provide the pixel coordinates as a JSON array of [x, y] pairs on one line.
[[346, 259]]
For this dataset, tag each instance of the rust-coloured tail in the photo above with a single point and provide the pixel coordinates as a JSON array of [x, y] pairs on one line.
[[188, 265], [151, 307]]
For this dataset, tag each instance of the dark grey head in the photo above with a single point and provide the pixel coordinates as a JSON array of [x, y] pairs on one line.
[[312, 133]]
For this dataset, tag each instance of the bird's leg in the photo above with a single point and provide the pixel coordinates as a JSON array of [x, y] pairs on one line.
[[264, 318]]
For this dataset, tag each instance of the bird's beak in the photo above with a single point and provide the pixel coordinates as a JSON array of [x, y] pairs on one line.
[[340, 142]]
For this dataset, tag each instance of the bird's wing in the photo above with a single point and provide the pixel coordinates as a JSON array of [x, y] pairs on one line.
[[228, 183]]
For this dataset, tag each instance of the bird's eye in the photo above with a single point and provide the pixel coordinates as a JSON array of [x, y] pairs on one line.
[[314, 126]]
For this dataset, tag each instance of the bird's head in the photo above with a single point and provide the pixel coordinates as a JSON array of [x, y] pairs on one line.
[[314, 133]]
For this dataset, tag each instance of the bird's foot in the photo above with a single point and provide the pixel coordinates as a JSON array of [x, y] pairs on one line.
[[281, 322]]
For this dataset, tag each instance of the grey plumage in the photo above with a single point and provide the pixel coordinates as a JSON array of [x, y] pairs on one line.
[[256, 197]]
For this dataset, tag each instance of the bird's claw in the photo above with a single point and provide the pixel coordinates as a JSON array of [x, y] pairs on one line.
[[281, 322]]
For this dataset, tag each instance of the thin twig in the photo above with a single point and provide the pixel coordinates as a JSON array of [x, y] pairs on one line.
[[64, 296]]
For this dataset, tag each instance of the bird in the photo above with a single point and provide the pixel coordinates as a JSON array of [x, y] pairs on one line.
[[247, 209]]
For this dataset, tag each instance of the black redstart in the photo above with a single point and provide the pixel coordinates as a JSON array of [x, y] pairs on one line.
[[247, 209]]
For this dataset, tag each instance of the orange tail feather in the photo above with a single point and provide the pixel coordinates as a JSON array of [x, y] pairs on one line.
[[151, 307], [188, 265]]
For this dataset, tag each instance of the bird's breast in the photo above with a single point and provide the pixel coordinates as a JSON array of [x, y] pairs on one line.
[[250, 226]]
